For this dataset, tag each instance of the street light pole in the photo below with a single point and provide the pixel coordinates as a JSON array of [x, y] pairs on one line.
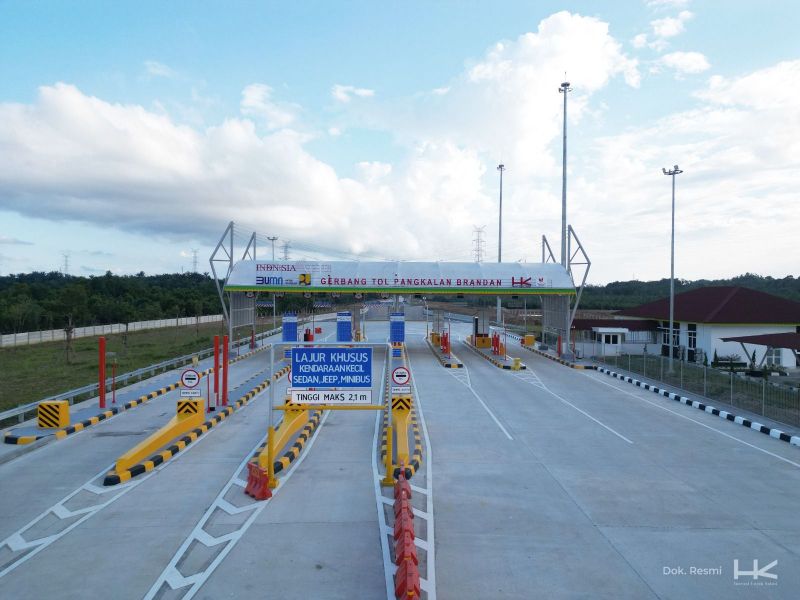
[[564, 89], [674, 171], [501, 167]]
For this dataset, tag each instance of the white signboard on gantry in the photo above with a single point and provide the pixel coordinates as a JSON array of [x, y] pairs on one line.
[[400, 278]]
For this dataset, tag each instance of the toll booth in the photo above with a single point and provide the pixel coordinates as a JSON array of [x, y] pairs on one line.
[[289, 333], [344, 326], [397, 327]]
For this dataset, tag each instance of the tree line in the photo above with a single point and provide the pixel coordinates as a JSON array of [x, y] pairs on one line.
[[33, 301]]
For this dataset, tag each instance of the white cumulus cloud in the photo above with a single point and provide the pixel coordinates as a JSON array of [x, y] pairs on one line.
[[685, 62], [257, 101], [671, 26], [345, 93], [158, 69]]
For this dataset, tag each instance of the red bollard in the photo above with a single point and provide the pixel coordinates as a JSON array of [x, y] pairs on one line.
[[225, 370], [559, 345], [216, 370], [101, 363], [252, 340]]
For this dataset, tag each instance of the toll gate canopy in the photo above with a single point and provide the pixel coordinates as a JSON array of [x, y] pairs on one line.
[[467, 278]]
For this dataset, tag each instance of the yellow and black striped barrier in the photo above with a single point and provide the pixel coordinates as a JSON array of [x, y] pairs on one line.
[[114, 477], [11, 438], [52, 414], [566, 363], [500, 365], [448, 363]]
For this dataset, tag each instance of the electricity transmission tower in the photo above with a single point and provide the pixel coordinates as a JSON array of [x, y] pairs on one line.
[[478, 243], [194, 260], [285, 248]]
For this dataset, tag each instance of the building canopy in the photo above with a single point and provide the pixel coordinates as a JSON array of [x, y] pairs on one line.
[[400, 278], [771, 340]]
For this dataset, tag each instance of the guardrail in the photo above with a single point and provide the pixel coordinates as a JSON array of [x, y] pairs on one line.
[[91, 390]]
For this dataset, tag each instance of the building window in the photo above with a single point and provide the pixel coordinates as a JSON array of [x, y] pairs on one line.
[[692, 336], [612, 338], [773, 356]]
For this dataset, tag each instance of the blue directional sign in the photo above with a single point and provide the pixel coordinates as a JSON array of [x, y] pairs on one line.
[[332, 367]]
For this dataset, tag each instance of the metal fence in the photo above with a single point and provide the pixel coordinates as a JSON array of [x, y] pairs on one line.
[[55, 335], [20, 413], [755, 394]]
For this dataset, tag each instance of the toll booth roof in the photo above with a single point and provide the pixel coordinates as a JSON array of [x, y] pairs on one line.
[[387, 277]]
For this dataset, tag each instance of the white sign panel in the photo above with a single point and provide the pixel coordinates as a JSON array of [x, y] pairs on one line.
[[401, 376], [190, 378], [190, 393], [300, 396], [401, 389], [400, 277]]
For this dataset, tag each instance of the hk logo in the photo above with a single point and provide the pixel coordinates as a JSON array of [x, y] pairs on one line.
[[521, 282], [756, 572]]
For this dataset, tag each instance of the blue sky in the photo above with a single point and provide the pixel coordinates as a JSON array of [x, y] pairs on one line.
[[137, 130]]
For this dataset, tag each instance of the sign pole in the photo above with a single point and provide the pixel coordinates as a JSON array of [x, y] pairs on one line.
[[216, 370], [101, 357], [225, 340], [271, 481]]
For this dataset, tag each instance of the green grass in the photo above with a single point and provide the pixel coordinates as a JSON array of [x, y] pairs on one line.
[[777, 402], [34, 372]]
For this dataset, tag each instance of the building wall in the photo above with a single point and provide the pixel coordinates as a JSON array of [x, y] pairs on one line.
[[709, 339]]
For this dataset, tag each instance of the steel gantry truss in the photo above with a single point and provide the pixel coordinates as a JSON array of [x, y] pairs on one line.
[[557, 316], [240, 309]]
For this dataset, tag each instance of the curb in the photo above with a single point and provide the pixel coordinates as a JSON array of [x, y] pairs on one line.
[[453, 363], [107, 414], [495, 362], [770, 431], [114, 478], [416, 457], [566, 363], [294, 450]]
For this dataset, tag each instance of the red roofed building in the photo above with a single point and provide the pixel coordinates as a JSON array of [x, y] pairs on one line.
[[706, 315]]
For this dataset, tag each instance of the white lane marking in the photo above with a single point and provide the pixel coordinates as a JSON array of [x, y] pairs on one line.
[[388, 566], [583, 412], [16, 542], [677, 414], [429, 583], [173, 577], [464, 379]]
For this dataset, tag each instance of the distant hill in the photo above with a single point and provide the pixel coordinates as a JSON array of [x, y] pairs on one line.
[[625, 294], [32, 301]]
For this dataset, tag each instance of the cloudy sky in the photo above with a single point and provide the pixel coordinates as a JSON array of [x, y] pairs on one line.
[[131, 133]]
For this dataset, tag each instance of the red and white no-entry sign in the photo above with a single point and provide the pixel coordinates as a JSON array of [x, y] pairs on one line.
[[401, 376], [190, 378]]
